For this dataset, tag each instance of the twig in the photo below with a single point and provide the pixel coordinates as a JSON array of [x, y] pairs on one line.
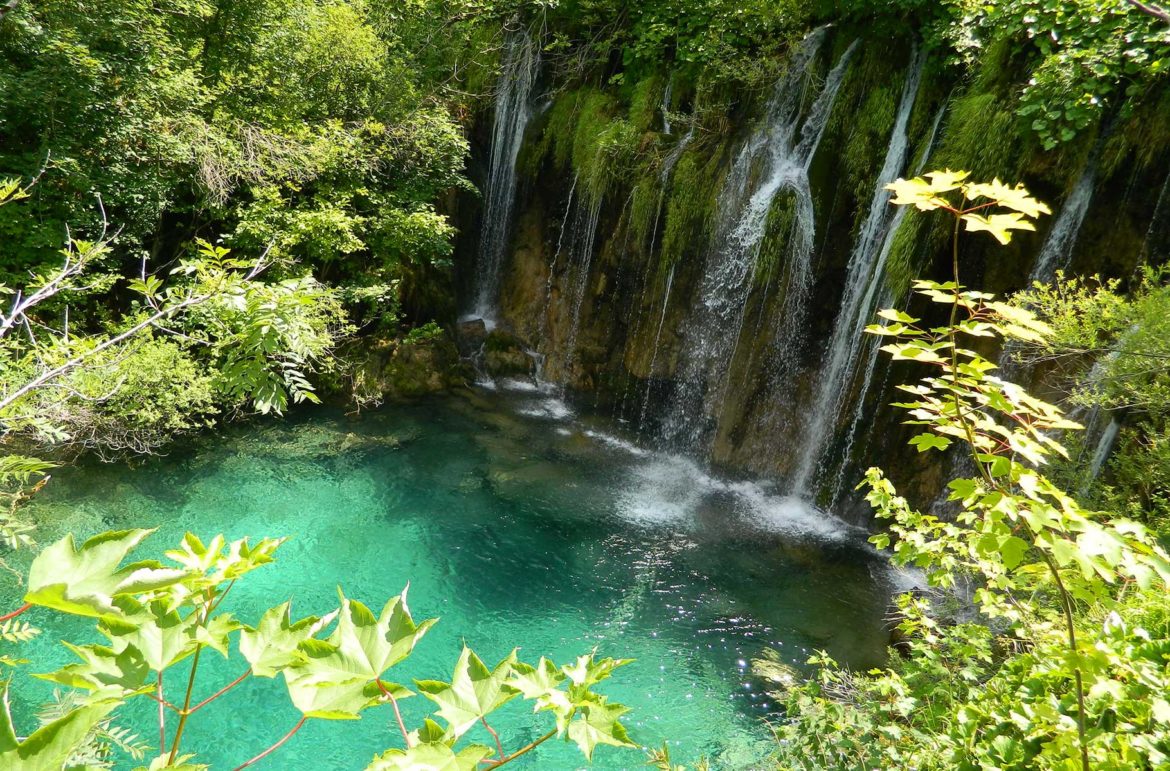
[[397, 713], [274, 747], [221, 691], [1151, 9], [522, 751]]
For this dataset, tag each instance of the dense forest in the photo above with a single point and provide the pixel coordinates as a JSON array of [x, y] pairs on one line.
[[794, 373]]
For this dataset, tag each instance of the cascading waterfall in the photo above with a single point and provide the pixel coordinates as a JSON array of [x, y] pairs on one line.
[[1058, 245], [513, 110], [585, 224], [1104, 447], [1158, 233], [874, 350], [666, 94], [654, 353], [774, 159], [864, 275]]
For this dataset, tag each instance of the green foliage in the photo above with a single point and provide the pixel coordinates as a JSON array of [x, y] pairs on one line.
[[1108, 353], [1054, 676], [269, 120], [133, 400], [429, 331], [155, 615], [1089, 55]]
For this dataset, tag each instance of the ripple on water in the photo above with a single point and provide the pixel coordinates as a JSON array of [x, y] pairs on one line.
[[514, 530]]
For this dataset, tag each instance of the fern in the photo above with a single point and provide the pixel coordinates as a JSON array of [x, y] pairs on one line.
[[16, 631], [97, 751]]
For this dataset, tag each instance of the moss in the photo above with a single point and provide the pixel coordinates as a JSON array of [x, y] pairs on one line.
[[644, 205], [981, 136], [690, 205], [1144, 135], [902, 264], [866, 146], [645, 100], [778, 232]]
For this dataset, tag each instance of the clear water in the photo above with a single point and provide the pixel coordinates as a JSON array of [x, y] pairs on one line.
[[517, 523]]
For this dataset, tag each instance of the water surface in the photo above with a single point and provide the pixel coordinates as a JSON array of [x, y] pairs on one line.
[[517, 523]]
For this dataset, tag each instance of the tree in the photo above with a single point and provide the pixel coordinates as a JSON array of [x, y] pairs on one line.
[[1043, 681]]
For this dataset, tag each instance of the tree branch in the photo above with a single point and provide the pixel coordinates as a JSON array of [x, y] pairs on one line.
[[1153, 10]]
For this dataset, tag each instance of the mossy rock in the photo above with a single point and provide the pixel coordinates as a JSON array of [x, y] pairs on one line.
[[395, 370]]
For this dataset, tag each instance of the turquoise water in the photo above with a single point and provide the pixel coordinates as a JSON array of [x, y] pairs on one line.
[[517, 523]]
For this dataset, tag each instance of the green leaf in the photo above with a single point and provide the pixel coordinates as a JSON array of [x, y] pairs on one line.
[[588, 672], [541, 684], [998, 225], [894, 314], [1012, 550], [597, 723], [925, 442], [162, 638], [272, 645], [102, 668], [85, 581], [431, 756], [474, 690], [50, 746], [338, 677]]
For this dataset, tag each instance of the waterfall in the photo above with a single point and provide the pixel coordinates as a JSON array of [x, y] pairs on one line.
[[874, 349], [1157, 233], [666, 93], [864, 274], [1104, 447], [1058, 245], [584, 236], [775, 158], [654, 353], [513, 109]]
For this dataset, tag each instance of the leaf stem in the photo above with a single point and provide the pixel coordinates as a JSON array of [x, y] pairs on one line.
[[496, 736], [162, 714], [274, 747], [221, 691], [522, 751], [15, 613], [397, 713], [185, 712], [1066, 601]]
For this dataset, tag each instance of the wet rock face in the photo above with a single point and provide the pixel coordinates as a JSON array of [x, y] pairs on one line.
[[506, 355], [471, 335], [394, 370], [608, 287]]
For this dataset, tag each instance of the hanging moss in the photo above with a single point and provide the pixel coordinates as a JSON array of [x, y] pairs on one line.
[[690, 207], [778, 230], [644, 208], [981, 136], [1145, 135], [903, 263], [645, 100]]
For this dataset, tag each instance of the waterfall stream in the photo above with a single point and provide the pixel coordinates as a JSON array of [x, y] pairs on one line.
[[1062, 238], [584, 236], [873, 348], [775, 158], [1102, 450], [864, 275], [513, 109]]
